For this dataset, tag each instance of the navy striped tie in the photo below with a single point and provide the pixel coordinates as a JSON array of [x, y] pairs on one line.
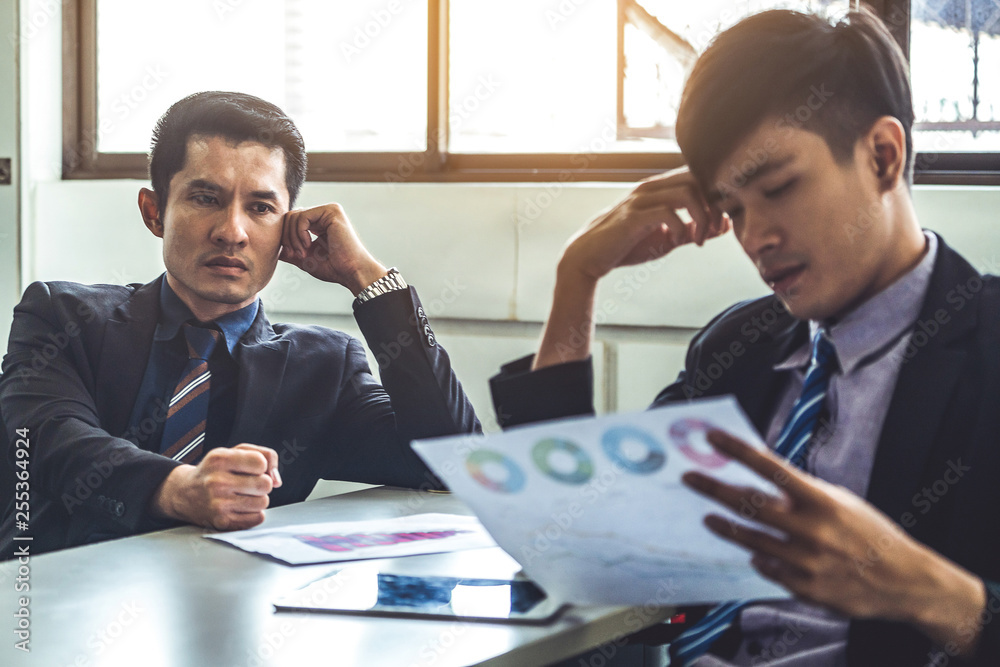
[[184, 431], [793, 443]]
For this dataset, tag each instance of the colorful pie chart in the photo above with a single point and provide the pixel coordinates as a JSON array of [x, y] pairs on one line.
[[480, 465]]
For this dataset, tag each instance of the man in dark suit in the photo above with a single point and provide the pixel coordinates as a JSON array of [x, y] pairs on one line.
[[886, 535], [144, 406]]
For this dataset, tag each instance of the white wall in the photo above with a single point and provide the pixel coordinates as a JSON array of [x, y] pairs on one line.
[[482, 258]]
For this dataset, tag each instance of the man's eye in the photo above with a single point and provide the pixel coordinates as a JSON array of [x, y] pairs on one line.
[[205, 200], [780, 190], [262, 208]]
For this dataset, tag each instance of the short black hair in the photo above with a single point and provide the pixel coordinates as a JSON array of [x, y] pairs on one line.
[[832, 79], [237, 117]]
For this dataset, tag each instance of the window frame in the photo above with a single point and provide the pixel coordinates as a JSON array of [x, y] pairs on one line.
[[81, 160]]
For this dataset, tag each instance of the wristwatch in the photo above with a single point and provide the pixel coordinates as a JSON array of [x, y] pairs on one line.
[[387, 283]]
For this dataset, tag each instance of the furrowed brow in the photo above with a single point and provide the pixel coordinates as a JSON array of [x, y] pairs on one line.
[[203, 184]]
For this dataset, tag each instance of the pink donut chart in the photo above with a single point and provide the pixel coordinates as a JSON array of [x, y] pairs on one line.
[[680, 434], [514, 480]]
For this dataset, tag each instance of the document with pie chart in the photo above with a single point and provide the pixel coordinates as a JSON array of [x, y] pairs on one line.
[[594, 509]]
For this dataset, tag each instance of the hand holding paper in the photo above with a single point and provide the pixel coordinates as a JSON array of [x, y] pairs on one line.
[[836, 549]]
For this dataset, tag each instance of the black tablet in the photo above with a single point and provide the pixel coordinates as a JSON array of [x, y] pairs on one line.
[[363, 589]]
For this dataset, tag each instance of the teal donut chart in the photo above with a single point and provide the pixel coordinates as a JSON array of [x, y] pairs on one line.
[[584, 466], [515, 476], [680, 433], [612, 441]]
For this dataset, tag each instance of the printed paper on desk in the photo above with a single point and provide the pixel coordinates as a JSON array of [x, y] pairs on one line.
[[357, 540], [594, 509]]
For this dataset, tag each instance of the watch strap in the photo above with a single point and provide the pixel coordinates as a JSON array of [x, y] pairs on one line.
[[392, 281]]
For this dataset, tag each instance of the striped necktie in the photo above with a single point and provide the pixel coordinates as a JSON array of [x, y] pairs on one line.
[[793, 443], [187, 412]]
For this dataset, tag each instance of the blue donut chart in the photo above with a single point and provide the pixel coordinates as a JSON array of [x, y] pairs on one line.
[[515, 476], [612, 441], [544, 448]]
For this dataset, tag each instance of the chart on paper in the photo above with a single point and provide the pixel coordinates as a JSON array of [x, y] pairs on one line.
[[594, 509]]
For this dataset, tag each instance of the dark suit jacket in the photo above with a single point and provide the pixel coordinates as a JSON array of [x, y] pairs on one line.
[[77, 355], [944, 417]]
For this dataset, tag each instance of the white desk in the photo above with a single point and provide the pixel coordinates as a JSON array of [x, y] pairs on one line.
[[175, 599]]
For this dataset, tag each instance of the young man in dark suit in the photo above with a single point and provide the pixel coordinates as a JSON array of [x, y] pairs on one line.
[[178, 401], [879, 341]]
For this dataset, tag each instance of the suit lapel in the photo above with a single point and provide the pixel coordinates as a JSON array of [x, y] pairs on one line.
[[262, 365], [759, 394], [927, 379], [128, 338]]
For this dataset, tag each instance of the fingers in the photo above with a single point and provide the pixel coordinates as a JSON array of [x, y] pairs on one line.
[[755, 540], [288, 255], [245, 462], [295, 237], [238, 512], [768, 465], [665, 232], [747, 502], [679, 190], [237, 483], [781, 572], [270, 461]]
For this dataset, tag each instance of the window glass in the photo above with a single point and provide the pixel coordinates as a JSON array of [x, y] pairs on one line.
[[955, 74], [529, 76], [352, 75]]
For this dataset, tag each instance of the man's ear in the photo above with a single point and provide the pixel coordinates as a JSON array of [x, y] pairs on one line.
[[886, 141], [149, 207]]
